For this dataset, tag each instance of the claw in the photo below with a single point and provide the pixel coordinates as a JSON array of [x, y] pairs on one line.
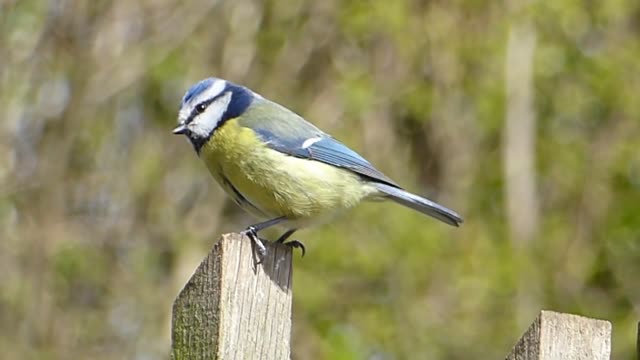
[[252, 234], [295, 244]]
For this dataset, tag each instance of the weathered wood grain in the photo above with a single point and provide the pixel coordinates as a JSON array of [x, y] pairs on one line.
[[556, 336], [233, 308]]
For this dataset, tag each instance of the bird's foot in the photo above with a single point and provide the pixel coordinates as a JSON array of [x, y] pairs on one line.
[[295, 244], [252, 234]]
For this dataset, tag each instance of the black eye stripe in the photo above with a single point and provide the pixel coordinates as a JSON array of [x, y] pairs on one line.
[[201, 107], [240, 100]]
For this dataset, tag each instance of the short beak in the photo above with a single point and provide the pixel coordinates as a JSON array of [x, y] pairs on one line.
[[180, 129]]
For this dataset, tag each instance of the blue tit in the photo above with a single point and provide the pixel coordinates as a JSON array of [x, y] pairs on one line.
[[279, 167]]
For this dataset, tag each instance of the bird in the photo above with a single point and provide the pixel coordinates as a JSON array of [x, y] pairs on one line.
[[279, 167]]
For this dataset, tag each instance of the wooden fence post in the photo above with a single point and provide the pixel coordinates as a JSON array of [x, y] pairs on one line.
[[233, 308], [555, 336]]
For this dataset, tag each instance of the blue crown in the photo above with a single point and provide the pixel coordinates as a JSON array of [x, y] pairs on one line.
[[197, 89]]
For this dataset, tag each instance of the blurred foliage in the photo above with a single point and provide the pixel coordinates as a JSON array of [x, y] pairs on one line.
[[104, 213]]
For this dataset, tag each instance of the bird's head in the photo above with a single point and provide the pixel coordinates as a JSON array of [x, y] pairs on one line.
[[207, 105]]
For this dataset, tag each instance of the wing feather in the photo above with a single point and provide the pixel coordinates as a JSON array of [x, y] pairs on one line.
[[297, 137], [327, 150]]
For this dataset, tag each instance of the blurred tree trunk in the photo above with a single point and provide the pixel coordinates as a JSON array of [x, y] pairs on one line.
[[519, 135]]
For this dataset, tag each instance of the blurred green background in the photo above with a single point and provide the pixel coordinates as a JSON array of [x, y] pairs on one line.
[[522, 116]]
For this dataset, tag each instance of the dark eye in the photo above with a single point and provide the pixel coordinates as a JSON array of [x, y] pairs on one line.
[[201, 107]]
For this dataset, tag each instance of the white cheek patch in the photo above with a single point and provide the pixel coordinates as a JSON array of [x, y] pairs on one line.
[[206, 122]]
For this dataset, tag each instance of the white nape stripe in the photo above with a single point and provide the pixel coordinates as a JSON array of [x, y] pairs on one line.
[[206, 122], [307, 143], [212, 91], [255, 94]]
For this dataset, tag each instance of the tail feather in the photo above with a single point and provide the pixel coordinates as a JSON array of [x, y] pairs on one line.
[[420, 204]]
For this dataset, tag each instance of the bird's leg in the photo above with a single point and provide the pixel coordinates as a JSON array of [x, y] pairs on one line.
[[285, 236], [293, 243], [252, 233]]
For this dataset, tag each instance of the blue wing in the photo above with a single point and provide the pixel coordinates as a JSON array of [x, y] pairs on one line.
[[323, 148], [297, 137]]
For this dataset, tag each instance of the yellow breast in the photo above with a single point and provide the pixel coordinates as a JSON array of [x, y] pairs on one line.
[[276, 184]]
